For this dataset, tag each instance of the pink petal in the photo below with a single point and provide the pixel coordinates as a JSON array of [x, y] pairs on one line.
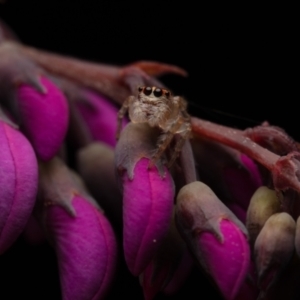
[[214, 234], [243, 183], [153, 279], [253, 169], [101, 117], [86, 250], [45, 117], [18, 182], [227, 261], [147, 208]]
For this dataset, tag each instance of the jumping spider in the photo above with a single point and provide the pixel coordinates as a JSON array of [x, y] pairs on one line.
[[157, 107]]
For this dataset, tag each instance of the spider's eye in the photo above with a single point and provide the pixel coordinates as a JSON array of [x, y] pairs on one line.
[[147, 91], [140, 88], [167, 94], [157, 92]]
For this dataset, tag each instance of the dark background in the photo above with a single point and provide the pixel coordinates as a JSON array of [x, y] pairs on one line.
[[242, 62]]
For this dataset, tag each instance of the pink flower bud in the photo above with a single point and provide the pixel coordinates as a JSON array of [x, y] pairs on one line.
[[44, 117], [147, 208], [217, 238], [227, 260], [233, 175], [100, 116], [148, 195], [18, 184], [242, 181], [82, 236], [85, 247]]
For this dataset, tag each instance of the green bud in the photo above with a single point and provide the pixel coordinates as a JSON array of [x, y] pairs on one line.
[[263, 204], [274, 248]]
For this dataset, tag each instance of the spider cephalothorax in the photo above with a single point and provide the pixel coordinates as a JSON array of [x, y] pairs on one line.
[[152, 105], [157, 107]]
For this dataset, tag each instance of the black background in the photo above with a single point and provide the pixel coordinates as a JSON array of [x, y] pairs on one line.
[[242, 62]]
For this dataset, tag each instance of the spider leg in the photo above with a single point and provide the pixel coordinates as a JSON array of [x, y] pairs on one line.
[[182, 128], [182, 104], [122, 112], [164, 141], [179, 144]]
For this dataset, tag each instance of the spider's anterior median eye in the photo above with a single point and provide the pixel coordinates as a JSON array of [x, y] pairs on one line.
[[147, 91], [157, 92]]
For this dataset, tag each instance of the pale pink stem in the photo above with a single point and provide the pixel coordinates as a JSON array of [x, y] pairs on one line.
[[235, 139], [284, 169]]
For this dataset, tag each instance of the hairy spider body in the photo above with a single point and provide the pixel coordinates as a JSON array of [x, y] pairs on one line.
[[158, 108]]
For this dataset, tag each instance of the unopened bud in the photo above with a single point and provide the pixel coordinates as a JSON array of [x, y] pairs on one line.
[[96, 166], [264, 203], [215, 235], [273, 248], [148, 195]]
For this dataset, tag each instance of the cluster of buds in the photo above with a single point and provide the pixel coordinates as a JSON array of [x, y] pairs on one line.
[[229, 205]]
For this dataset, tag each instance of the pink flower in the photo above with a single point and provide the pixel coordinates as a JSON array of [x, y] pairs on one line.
[[34, 102], [233, 175], [217, 238], [100, 116], [44, 117], [82, 236], [242, 181], [227, 260], [86, 249], [18, 182], [148, 196], [76, 226], [147, 207]]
